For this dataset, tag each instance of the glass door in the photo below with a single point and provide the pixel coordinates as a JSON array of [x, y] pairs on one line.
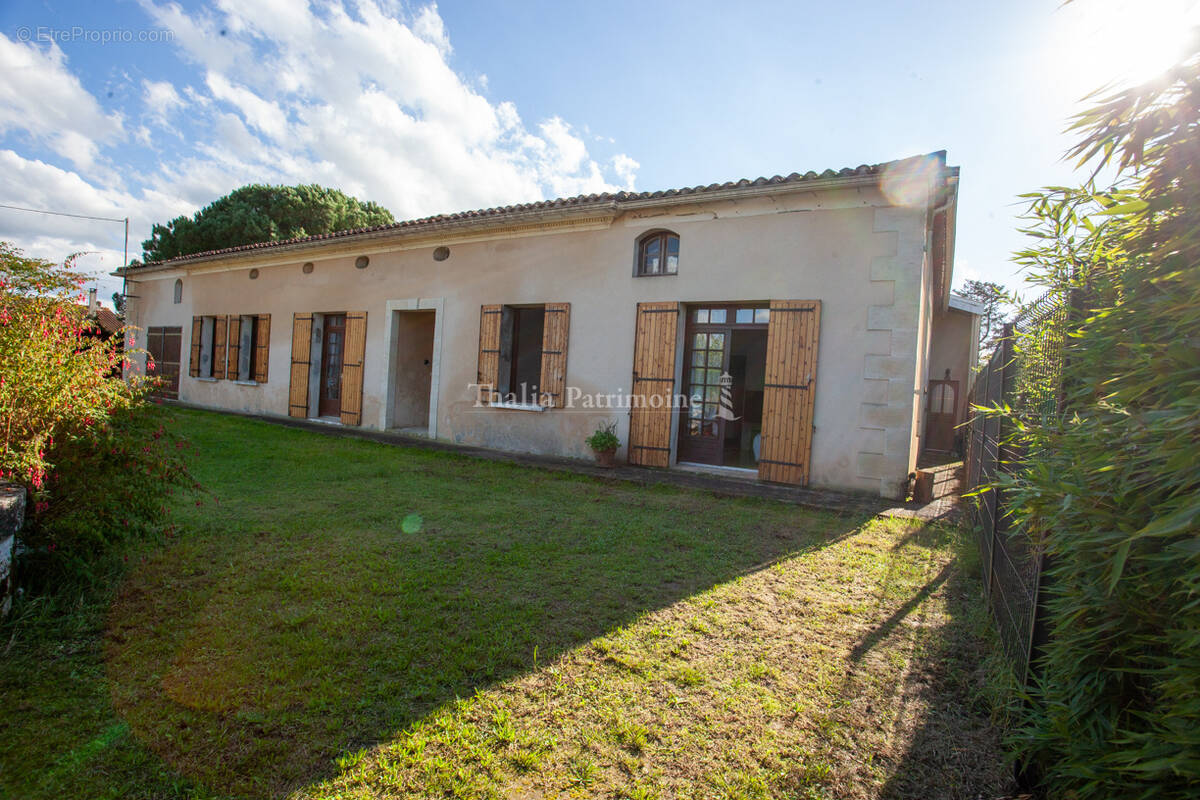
[[330, 396], [724, 369], [702, 428]]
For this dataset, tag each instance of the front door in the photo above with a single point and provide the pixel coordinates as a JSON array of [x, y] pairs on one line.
[[941, 415], [702, 428], [724, 356], [333, 346]]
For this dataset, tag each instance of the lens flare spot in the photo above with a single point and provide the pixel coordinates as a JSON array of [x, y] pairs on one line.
[[908, 183], [412, 523]]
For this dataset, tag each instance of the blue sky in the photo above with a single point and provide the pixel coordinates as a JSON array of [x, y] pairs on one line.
[[151, 109]]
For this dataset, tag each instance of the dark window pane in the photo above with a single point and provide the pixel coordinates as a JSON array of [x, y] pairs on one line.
[[698, 357], [711, 395], [697, 376], [672, 262], [713, 377]]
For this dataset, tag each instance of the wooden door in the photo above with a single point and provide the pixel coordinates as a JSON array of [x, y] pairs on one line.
[[941, 415], [165, 346], [702, 423], [333, 346], [353, 353], [653, 384], [301, 348], [789, 391]]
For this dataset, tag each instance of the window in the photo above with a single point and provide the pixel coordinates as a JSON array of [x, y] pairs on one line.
[[247, 341], [235, 348], [523, 355], [658, 254], [178, 291], [207, 329], [521, 332]]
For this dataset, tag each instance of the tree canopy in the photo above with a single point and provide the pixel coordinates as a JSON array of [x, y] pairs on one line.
[[993, 298], [258, 213]]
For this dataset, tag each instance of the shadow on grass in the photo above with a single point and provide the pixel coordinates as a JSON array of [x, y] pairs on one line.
[[954, 752], [333, 592]]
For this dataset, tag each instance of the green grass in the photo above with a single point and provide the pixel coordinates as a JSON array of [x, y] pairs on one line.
[[342, 618]]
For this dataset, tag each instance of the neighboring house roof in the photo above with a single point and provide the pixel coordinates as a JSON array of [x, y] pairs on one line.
[[109, 322], [580, 204], [966, 304]]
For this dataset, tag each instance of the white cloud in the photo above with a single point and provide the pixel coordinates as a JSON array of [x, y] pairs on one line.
[[360, 98], [626, 169], [428, 25], [40, 96], [262, 114], [161, 99]]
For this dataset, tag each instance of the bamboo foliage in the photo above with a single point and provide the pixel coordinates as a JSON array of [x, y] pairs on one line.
[[1110, 486]]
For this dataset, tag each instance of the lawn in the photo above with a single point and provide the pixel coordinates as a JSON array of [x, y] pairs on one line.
[[337, 618]]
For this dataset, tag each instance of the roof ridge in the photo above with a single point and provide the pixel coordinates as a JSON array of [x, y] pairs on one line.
[[580, 200]]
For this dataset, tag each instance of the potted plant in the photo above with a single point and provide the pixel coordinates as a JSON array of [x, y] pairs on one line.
[[604, 443]]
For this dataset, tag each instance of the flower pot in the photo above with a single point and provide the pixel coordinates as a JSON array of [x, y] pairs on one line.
[[604, 458]]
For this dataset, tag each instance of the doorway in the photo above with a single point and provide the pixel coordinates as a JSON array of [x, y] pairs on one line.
[[941, 415], [333, 343], [412, 370], [164, 345], [724, 379]]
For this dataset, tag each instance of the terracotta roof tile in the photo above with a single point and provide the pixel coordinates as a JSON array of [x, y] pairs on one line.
[[579, 201]]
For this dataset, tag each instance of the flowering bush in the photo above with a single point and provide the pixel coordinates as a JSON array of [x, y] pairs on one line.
[[96, 460]]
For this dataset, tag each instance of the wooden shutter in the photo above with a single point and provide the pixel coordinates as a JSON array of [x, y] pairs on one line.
[[262, 348], [791, 384], [218, 353], [553, 383], [301, 345], [197, 331], [352, 367], [653, 384], [235, 347], [488, 374]]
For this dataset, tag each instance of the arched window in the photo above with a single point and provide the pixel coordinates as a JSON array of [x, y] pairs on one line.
[[658, 253], [178, 290]]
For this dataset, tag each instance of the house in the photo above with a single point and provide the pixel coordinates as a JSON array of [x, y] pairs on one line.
[[790, 328], [102, 323]]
